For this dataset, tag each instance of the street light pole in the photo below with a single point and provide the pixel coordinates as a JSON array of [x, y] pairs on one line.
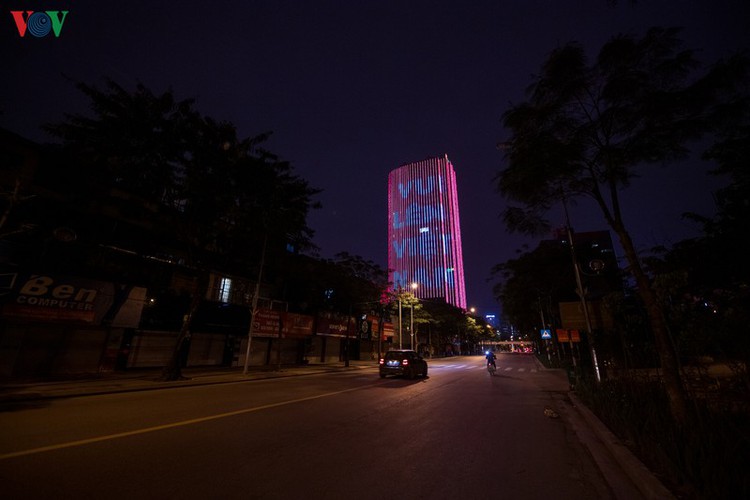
[[411, 324], [414, 287], [400, 323], [581, 294], [255, 304]]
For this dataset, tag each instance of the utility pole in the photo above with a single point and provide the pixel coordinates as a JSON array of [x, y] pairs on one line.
[[346, 343], [411, 325], [414, 287], [400, 323], [255, 304], [546, 342], [581, 293]]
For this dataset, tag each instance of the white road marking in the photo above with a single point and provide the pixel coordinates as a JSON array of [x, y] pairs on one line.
[[83, 442]]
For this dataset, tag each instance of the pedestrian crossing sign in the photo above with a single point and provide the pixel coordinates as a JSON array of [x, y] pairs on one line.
[[546, 334]]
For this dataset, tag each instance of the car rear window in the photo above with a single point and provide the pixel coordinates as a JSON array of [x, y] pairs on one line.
[[397, 355]]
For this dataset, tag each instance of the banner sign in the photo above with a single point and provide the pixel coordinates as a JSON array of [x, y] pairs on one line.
[[572, 317], [575, 336], [388, 330], [63, 299], [266, 323], [364, 328], [269, 323], [335, 326], [296, 325], [564, 335]]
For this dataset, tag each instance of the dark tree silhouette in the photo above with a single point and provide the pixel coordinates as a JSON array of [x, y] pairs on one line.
[[203, 197], [588, 128]]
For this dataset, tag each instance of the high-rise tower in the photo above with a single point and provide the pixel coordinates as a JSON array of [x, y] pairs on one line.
[[424, 235]]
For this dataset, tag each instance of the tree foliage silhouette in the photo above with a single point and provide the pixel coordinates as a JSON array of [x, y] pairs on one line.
[[589, 127], [211, 198]]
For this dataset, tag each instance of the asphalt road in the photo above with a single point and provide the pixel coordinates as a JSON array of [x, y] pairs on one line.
[[458, 434]]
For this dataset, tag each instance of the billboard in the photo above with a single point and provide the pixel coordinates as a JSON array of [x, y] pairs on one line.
[[572, 317], [50, 298], [332, 325], [269, 323]]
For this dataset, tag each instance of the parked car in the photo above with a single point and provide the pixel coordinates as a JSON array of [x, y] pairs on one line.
[[403, 362]]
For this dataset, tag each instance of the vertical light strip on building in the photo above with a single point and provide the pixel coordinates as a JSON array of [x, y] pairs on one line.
[[424, 234]]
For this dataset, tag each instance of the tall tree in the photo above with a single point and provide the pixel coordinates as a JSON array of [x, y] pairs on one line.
[[710, 275], [218, 200], [134, 140], [588, 128]]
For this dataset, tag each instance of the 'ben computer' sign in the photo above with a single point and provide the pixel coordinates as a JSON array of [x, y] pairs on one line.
[[44, 298]]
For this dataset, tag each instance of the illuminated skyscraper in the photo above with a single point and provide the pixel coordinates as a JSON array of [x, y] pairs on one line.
[[424, 235]]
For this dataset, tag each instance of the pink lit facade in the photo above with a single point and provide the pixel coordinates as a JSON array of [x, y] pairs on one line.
[[424, 235]]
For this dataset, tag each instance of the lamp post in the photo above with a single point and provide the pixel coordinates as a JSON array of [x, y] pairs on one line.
[[255, 304], [473, 312], [414, 287], [400, 323]]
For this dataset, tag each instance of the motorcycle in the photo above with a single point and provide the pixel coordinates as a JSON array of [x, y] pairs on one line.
[[490, 365]]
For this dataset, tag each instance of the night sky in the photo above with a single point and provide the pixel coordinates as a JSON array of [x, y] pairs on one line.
[[353, 89]]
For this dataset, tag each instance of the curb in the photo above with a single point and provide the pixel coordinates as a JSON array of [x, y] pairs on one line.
[[639, 477], [638, 474]]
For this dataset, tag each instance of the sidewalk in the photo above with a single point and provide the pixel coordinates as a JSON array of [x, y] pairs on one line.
[[148, 380], [627, 476]]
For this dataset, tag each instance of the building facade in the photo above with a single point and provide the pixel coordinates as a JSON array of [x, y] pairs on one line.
[[424, 233], [79, 301]]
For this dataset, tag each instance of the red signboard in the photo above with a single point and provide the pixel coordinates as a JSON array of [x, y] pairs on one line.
[[335, 326], [388, 330], [564, 335], [268, 323], [296, 325], [575, 336]]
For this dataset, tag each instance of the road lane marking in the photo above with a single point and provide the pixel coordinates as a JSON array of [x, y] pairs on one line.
[[83, 442]]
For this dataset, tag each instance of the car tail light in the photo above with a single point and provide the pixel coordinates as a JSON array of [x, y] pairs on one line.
[[382, 361], [405, 362]]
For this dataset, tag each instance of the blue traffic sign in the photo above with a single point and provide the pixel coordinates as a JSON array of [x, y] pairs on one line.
[[546, 334]]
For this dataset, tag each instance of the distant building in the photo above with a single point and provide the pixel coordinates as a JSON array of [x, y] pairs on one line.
[[597, 261], [492, 320], [424, 234]]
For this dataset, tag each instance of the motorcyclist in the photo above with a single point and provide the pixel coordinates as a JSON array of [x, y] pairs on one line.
[[491, 358]]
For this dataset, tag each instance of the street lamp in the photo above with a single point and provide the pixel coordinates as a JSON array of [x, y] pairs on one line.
[[400, 322], [254, 312], [472, 310], [414, 287]]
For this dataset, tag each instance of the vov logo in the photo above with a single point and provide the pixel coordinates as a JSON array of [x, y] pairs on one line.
[[39, 23]]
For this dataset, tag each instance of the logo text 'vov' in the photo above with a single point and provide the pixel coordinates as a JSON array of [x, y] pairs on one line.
[[39, 24]]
